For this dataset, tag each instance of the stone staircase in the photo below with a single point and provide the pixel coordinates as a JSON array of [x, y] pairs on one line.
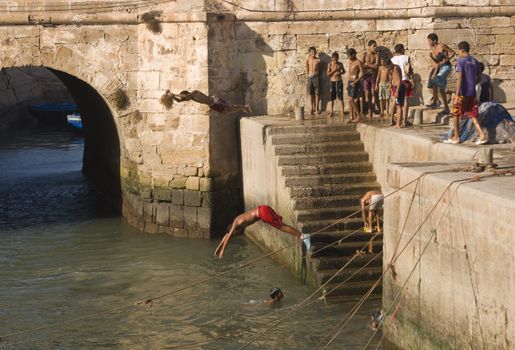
[[326, 171]]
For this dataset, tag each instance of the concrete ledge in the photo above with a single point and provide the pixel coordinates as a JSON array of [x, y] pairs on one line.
[[461, 292]]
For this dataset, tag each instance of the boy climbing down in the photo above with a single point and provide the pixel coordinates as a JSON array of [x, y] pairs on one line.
[[265, 214], [374, 201]]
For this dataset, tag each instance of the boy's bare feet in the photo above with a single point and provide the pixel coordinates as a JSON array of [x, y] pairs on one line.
[[318, 111], [312, 112], [330, 114]]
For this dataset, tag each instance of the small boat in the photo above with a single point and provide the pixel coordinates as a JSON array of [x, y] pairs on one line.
[[52, 113], [74, 120]]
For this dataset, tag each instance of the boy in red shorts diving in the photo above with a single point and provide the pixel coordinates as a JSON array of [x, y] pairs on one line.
[[265, 214]]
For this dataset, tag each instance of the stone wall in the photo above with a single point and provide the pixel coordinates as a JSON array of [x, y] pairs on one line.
[[269, 49], [180, 168]]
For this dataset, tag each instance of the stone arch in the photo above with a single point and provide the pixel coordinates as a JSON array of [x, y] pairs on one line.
[[103, 137]]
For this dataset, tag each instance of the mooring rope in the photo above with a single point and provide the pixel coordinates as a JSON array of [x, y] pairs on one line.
[[336, 330], [470, 179], [209, 277]]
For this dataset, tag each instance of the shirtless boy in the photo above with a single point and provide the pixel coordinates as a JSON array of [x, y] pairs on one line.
[[354, 85], [370, 65], [312, 68], [384, 87], [214, 102], [265, 214], [440, 55], [335, 71]]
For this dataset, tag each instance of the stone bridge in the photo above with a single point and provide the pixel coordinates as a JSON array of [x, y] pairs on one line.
[[177, 170]]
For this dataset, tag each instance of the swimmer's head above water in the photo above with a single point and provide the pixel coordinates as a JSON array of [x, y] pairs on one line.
[[276, 294]]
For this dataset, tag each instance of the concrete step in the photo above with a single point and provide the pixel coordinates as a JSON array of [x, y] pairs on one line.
[[345, 248], [326, 202], [303, 139], [312, 226], [327, 237], [328, 263], [292, 181], [333, 190], [325, 213], [309, 129], [331, 168], [350, 288], [319, 147], [324, 158], [366, 274]]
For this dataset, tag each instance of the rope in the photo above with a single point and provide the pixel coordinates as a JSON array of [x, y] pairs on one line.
[[345, 320], [300, 305], [81, 7], [203, 280]]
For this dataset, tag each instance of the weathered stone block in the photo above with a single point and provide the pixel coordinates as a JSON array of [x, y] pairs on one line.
[[151, 227], [178, 182], [392, 24], [207, 184], [146, 192], [177, 216], [149, 210], [178, 197], [162, 194], [507, 60], [192, 198], [204, 217], [190, 217], [208, 199], [192, 183], [163, 213]]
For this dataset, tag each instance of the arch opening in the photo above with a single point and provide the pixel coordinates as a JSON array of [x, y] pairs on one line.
[[94, 150]]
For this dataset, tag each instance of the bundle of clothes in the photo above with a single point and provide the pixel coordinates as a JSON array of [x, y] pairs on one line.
[[495, 121]]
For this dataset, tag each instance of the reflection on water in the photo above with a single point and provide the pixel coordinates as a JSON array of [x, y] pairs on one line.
[[63, 256]]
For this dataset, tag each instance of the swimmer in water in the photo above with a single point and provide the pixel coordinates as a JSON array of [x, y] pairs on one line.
[[276, 295]]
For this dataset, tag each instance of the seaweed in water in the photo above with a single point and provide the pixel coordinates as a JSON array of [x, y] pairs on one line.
[[151, 20], [167, 100]]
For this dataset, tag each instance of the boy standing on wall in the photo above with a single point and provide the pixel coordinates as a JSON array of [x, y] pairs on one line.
[[396, 102], [370, 65], [354, 85], [313, 70], [384, 87], [405, 89], [440, 56], [465, 100], [335, 71]]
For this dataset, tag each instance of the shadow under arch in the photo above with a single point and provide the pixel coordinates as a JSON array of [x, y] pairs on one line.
[[101, 159]]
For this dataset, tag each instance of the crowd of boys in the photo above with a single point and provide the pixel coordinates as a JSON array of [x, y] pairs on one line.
[[380, 83]]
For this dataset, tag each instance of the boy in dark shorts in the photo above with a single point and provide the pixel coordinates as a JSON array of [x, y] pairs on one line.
[[313, 70], [335, 71], [265, 214], [214, 102], [354, 85], [370, 65]]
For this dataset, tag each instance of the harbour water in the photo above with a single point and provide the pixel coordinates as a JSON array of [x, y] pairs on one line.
[[64, 255]]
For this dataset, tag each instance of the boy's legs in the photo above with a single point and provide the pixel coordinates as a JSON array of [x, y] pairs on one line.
[[341, 106], [290, 230], [200, 97], [478, 128], [311, 102], [237, 108], [331, 108]]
